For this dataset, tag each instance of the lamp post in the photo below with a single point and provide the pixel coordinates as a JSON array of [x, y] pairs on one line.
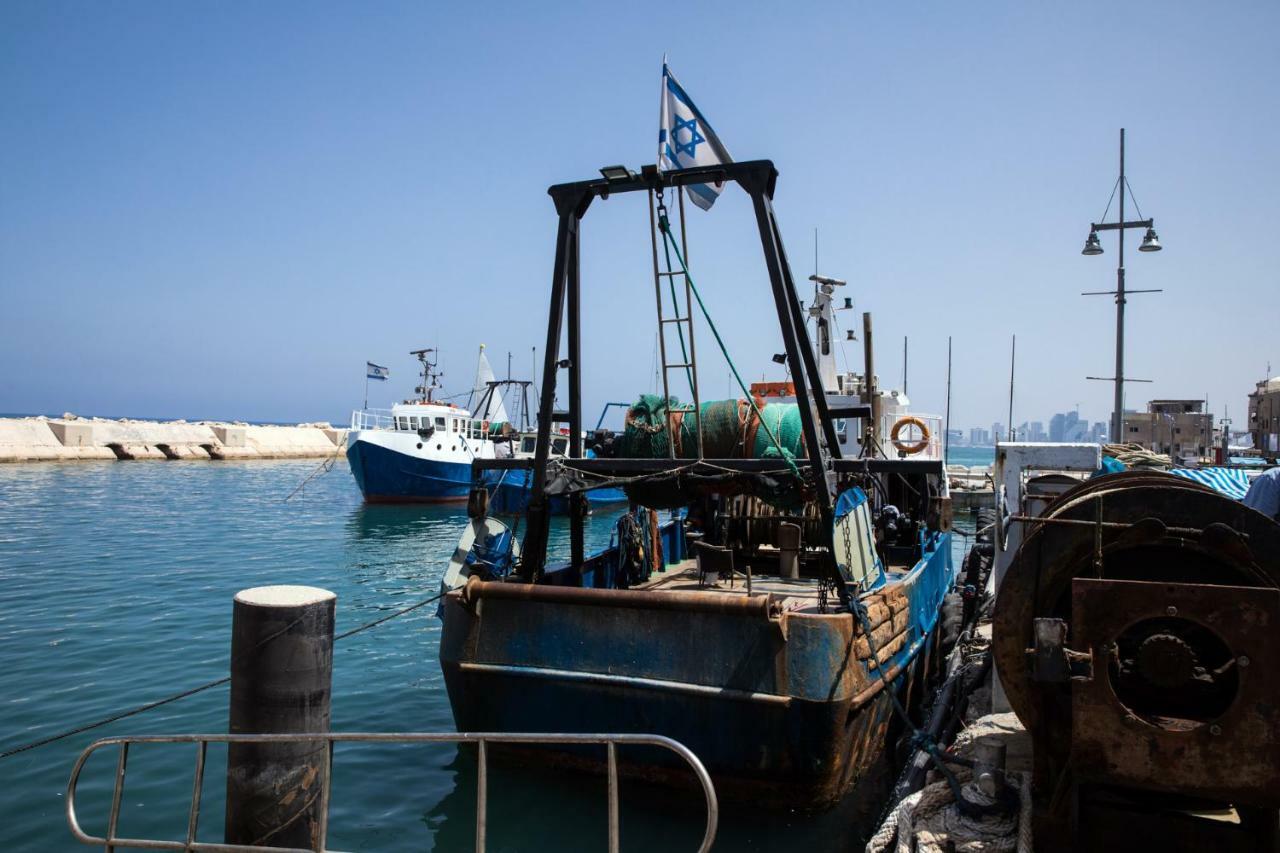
[[1092, 246]]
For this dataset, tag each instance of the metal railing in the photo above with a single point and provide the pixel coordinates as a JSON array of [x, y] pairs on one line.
[[933, 448], [372, 419], [111, 840]]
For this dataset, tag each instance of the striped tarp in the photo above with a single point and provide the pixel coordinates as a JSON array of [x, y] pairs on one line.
[[1231, 482]]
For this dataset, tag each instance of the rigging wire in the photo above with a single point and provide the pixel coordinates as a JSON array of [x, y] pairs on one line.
[[1115, 187], [1133, 198], [665, 227]]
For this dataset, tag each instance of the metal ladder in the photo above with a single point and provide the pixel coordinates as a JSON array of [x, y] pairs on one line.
[[663, 273]]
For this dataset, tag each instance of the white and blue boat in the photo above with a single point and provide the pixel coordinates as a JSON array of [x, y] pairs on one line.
[[421, 450]]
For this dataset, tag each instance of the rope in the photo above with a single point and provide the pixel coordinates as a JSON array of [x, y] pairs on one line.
[[928, 821], [1136, 456], [120, 715], [323, 468], [665, 227]]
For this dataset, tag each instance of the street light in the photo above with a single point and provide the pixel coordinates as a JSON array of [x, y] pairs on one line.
[[1150, 243], [1093, 246]]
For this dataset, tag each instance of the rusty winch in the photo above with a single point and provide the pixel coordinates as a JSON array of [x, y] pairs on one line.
[[1138, 639]]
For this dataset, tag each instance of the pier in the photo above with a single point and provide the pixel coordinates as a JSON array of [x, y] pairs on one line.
[[75, 439]]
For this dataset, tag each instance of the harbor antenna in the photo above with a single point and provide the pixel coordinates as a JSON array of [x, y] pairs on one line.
[[430, 376]]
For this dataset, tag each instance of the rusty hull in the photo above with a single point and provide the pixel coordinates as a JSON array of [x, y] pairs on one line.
[[777, 705]]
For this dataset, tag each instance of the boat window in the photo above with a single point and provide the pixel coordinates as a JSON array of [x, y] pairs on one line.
[[439, 423], [453, 424], [528, 444], [558, 445], [402, 422], [477, 429]]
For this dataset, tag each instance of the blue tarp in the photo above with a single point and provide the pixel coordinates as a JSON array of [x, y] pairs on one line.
[[1229, 481]]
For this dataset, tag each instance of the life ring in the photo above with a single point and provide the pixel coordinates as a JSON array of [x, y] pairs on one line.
[[915, 446]]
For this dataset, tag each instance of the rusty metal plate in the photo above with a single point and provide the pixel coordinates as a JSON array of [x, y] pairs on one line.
[[1233, 754]]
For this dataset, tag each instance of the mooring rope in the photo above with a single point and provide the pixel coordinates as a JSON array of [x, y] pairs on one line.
[[323, 468], [120, 715]]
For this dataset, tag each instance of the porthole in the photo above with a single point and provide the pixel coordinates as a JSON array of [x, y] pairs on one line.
[[437, 447], [419, 445]]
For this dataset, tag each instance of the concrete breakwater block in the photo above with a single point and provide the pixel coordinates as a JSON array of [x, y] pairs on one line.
[[73, 433], [230, 436], [70, 439]]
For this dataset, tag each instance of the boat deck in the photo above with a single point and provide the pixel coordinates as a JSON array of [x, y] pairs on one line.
[[789, 595], [798, 595]]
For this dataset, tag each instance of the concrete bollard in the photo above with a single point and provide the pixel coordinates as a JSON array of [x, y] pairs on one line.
[[281, 671]]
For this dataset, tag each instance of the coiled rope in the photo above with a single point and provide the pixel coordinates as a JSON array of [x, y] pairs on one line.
[[928, 821], [1139, 457]]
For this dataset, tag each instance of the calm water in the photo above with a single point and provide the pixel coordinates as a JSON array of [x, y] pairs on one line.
[[116, 583], [971, 456]]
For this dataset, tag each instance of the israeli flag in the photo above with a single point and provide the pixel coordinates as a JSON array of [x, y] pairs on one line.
[[685, 139], [375, 371]]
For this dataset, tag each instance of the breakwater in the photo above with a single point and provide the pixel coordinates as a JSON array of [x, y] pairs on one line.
[[72, 439]]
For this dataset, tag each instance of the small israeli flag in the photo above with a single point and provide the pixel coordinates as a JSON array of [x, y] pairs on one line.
[[375, 371], [685, 139]]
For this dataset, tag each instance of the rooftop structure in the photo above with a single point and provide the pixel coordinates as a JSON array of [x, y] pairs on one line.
[[1180, 428]]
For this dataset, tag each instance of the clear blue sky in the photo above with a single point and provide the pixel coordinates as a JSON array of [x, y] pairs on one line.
[[224, 209]]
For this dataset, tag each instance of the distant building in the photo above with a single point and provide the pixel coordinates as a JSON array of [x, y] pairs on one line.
[[1179, 428], [997, 432], [1098, 432], [1067, 426], [979, 437], [1264, 416], [1036, 432]]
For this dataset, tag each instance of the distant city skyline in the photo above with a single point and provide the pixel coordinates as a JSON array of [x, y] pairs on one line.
[[1062, 426]]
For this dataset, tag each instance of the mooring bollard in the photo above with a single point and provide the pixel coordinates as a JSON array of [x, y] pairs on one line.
[[281, 670]]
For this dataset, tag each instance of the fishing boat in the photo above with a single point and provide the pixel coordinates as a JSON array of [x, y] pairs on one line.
[[779, 621], [421, 450]]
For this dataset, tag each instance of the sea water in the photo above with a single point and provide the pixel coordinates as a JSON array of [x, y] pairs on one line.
[[116, 583]]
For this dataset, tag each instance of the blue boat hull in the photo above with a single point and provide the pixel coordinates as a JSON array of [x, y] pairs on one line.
[[510, 495], [389, 476], [386, 476]]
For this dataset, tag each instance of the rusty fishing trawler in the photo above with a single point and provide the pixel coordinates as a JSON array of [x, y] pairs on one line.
[[810, 605]]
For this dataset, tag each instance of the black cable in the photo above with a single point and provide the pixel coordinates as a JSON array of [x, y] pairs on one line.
[[1134, 199], [1115, 187], [203, 687]]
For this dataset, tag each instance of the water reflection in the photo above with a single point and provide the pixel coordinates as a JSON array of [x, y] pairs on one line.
[[533, 807], [389, 522]]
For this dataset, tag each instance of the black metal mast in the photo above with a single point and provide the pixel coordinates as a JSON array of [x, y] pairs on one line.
[[572, 200]]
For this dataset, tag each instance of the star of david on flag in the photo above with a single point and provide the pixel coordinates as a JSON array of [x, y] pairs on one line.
[[376, 371], [685, 139]]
